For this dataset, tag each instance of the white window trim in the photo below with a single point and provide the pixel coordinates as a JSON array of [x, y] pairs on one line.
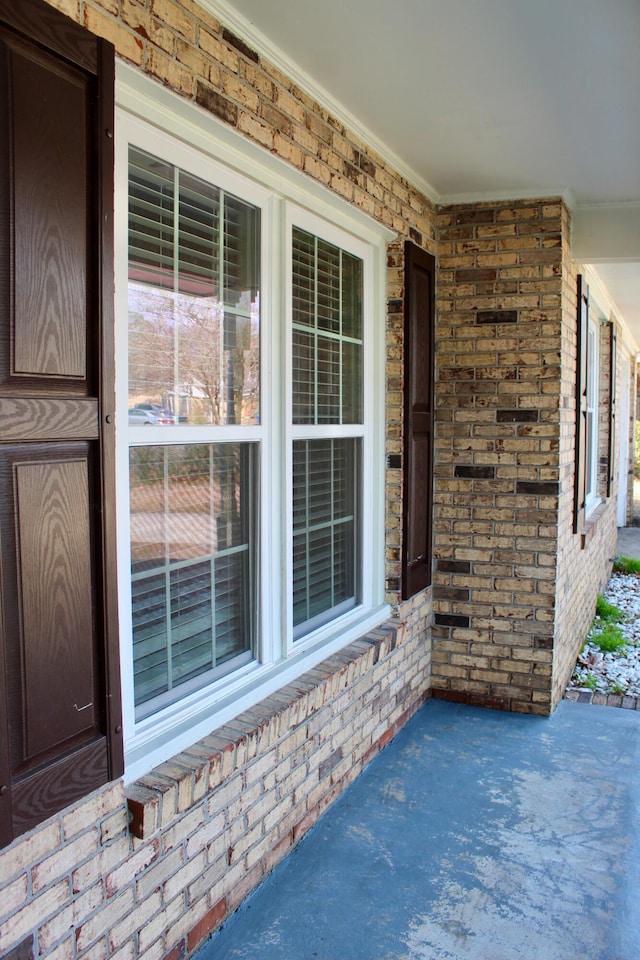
[[145, 112]]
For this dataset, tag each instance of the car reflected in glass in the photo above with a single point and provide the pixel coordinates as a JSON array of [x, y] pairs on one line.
[[148, 414]]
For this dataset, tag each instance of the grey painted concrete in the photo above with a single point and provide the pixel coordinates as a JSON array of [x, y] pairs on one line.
[[475, 834], [629, 542]]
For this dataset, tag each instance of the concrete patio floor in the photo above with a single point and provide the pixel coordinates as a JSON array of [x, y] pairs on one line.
[[475, 834], [629, 542]]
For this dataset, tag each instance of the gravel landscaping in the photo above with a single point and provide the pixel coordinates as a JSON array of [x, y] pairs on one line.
[[612, 677]]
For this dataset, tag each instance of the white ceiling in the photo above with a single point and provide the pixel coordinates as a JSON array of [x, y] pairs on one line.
[[481, 99]]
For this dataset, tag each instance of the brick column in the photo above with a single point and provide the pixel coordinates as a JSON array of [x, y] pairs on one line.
[[498, 400]]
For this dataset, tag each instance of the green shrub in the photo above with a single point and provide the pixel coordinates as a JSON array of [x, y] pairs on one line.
[[608, 611], [626, 565], [609, 637]]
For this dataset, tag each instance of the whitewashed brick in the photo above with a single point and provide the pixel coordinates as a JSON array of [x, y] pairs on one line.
[[13, 896], [126, 873], [63, 861], [205, 835], [95, 808], [162, 924], [99, 924], [30, 849], [23, 921], [70, 917], [119, 933], [98, 866]]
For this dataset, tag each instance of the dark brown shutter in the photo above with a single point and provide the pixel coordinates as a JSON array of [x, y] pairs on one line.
[[60, 724], [418, 419], [579, 485], [613, 343]]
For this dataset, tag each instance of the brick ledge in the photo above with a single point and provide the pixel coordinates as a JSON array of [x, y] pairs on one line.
[[602, 699], [172, 788]]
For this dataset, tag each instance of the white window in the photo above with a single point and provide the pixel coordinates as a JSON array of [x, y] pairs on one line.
[[327, 355], [591, 479], [250, 543]]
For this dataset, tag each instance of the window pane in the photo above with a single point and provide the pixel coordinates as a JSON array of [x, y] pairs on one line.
[[329, 376], [304, 400], [194, 299], [325, 530], [151, 215], [351, 383], [327, 332], [303, 278], [192, 560], [351, 296], [328, 287], [198, 237]]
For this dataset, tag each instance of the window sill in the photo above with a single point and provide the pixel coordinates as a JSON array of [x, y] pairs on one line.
[[591, 523], [172, 788]]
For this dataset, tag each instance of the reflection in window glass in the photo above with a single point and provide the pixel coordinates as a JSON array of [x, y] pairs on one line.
[[194, 299], [327, 332], [193, 518]]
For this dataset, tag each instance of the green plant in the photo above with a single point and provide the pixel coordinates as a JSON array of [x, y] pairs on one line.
[[617, 687], [609, 637], [608, 611], [626, 565], [590, 681]]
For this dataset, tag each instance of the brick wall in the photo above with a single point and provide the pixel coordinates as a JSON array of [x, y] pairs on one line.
[[583, 562], [208, 825], [497, 441]]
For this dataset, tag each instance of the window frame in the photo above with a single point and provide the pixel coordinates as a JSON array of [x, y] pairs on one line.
[[592, 498], [296, 216], [145, 114], [206, 168]]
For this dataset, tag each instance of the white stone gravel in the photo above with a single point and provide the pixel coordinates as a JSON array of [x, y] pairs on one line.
[[617, 672]]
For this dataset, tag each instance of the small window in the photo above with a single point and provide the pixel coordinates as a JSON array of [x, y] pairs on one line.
[[593, 392], [595, 407]]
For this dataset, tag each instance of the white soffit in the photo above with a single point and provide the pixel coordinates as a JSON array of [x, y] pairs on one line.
[[476, 100], [477, 97]]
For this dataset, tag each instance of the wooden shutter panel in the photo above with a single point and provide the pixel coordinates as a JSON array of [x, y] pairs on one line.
[[418, 420], [613, 345], [60, 726], [579, 485]]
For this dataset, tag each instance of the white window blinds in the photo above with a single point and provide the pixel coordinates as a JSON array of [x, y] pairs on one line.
[[327, 389], [327, 332]]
